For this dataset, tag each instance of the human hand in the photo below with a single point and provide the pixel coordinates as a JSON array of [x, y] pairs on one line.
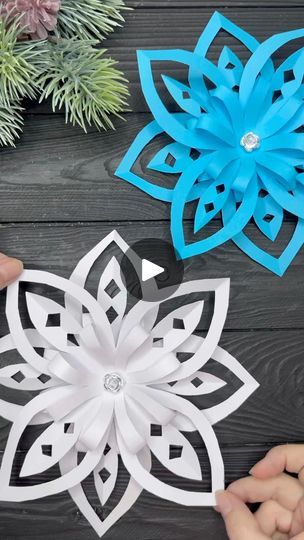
[[10, 269], [281, 514]]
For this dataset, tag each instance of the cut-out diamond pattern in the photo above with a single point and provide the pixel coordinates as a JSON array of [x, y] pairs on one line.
[[44, 378], [156, 430], [107, 449], [196, 382], [47, 450], [104, 475], [175, 451], [289, 75], [18, 377], [158, 342], [263, 193], [268, 218], [54, 319], [72, 341], [69, 428], [209, 207], [170, 160], [111, 314], [183, 356], [220, 189], [178, 324], [112, 289]]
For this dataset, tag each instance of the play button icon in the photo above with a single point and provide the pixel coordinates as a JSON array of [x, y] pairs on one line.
[[151, 270]]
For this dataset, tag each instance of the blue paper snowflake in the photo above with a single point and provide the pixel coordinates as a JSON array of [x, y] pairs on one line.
[[245, 124]]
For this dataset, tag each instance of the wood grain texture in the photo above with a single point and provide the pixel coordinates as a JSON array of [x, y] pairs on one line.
[[58, 174]]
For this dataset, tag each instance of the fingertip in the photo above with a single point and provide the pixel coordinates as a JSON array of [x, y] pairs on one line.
[[10, 270], [270, 465], [227, 502], [239, 521], [263, 473]]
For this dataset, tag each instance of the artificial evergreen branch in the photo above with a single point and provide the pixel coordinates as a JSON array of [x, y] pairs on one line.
[[20, 63], [89, 18], [67, 66], [84, 82], [10, 123]]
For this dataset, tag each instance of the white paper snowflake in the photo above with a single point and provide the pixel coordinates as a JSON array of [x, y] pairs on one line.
[[114, 388]]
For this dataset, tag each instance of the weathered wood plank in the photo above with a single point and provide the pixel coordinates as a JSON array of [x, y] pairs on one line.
[[59, 173]]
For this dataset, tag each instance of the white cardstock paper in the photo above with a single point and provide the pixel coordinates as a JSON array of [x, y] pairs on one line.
[[114, 388]]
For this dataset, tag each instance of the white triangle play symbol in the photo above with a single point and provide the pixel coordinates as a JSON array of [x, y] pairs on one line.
[[150, 270]]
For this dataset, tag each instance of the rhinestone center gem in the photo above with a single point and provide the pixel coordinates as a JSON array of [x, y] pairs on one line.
[[113, 382], [250, 141]]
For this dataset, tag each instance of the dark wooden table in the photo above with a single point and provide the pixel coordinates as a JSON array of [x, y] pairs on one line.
[[59, 196]]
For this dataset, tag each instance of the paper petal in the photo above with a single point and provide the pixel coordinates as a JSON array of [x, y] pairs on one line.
[[105, 473], [229, 405], [175, 452], [116, 301], [128, 499], [50, 447], [12, 493], [159, 488], [198, 384]]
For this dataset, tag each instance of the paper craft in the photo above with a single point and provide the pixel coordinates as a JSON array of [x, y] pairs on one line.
[[114, 388], [238, 145]]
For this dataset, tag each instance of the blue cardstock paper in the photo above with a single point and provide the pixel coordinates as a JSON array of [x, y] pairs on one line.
[[238, 147]]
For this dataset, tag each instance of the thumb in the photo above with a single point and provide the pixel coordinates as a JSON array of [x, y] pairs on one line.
[[240, 522], [10, 269]]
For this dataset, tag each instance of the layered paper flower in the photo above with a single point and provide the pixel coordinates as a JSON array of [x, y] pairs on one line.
[[237, 146], [111, 382]]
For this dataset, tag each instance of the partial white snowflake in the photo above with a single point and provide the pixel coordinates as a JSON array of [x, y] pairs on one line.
[[111, 382]]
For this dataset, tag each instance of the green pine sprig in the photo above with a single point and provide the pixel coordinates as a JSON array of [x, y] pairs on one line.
[[68, 67], [20, 63], [89, 18], [11, 123], [84, 82]]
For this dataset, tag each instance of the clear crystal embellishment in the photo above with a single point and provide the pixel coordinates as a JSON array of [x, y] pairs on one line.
[[250, 141], [113, 382]]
